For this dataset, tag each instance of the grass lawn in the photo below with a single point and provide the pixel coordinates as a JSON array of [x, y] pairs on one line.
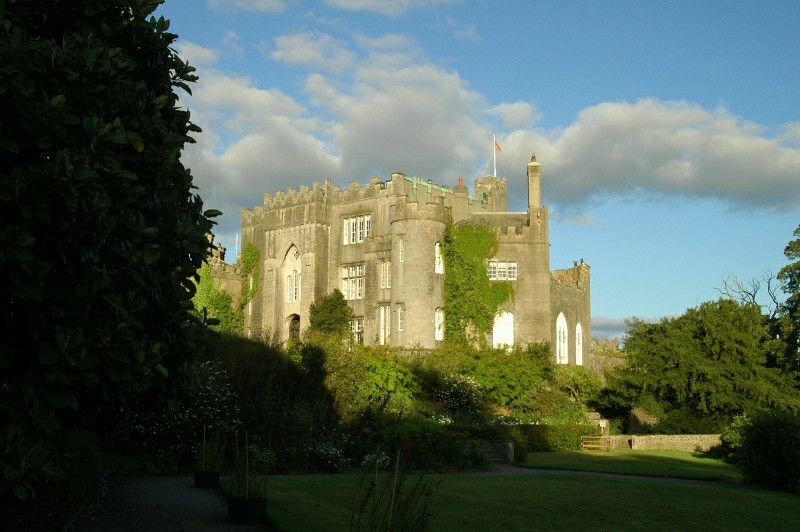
[[465, 502], [672, 464]]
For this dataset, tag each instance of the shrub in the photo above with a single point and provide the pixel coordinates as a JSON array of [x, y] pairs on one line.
[[547, 438], [770, 454], [732, 437], [458, 392]]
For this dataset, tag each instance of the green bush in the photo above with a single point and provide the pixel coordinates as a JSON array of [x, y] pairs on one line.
[[732, 437], [548, 438], [770, 451]]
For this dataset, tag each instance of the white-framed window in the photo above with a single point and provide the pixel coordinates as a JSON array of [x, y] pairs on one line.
[[386, 274], [439, 324], [357, 330], [438, 259], [353, 281], [402, 250], [289, 289], [502, 271], [356, 229], [578, 345], [384, 324], [562, 342], [401, 318], [503, 330], [296, 285]]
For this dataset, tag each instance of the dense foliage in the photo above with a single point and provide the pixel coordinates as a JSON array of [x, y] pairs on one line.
[[212, 304], [100, 229], [790, 317], [695, 372], [769, 453], [471, 300], [331, 315]]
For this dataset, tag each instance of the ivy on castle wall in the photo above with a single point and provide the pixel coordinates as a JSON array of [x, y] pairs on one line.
[[251, 258], [211, 303], [471, 300]]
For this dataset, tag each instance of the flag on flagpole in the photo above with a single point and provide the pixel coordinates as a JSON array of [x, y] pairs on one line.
[[497, 146]]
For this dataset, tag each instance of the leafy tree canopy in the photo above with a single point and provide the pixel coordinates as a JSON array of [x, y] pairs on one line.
[[331, 315], [790, 324], [708, 364], [100, 228]]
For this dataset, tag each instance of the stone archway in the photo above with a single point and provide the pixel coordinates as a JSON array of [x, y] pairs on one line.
[[293, 324]]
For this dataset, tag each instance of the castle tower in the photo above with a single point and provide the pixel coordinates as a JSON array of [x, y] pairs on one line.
[[534, 185]]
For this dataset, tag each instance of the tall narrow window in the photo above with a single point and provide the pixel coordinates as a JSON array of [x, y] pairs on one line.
[[562, 343], [439, 324], [360, 228], [289, 289], [401, 318], [492, 270], [502, 271], [438, 259], [353, 229], [346, 232], [402, 250], [512, 271], [366, 225], [385, 324], [353, 281], [296, 293], [357, 328], [386, 274], [578, 345]]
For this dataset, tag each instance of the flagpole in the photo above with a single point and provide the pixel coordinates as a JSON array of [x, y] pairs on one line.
[[494, 153]]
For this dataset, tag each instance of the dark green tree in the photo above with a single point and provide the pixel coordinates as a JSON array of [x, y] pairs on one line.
[[331, 315], [696, 371], [789, 276], [100, 229]]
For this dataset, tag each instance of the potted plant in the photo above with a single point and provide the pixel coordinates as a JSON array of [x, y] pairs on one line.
[[247, 491], [209, 462]]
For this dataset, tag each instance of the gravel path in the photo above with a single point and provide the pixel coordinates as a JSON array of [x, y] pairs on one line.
[[157, 504]]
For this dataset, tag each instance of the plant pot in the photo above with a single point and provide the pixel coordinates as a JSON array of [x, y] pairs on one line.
[[206, 479], [247, 511]]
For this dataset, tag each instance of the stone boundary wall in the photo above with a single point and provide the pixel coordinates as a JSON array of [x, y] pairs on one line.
[[663, 442]]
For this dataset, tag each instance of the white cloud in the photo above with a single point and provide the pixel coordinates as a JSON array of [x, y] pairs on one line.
[[516, 115], [662, 148], [390, 110], [315, 51], [231, 43], [392, 8], [254, 6], [197, 56], [463, 31]]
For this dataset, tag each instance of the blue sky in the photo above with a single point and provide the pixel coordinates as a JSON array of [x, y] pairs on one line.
[[668, 132]]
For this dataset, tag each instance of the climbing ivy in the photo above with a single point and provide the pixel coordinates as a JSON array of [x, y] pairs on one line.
[[471, 300], [251, 257], [213, 305]]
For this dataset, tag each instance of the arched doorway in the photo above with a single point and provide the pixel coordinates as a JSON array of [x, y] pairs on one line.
[[293, 324]]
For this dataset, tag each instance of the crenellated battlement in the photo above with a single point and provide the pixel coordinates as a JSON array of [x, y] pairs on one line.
[[575, 277]]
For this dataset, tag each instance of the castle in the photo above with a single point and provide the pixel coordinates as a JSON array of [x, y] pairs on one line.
[[380, 245]]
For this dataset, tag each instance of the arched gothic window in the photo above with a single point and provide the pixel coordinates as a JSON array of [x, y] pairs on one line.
[[562, 343]]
